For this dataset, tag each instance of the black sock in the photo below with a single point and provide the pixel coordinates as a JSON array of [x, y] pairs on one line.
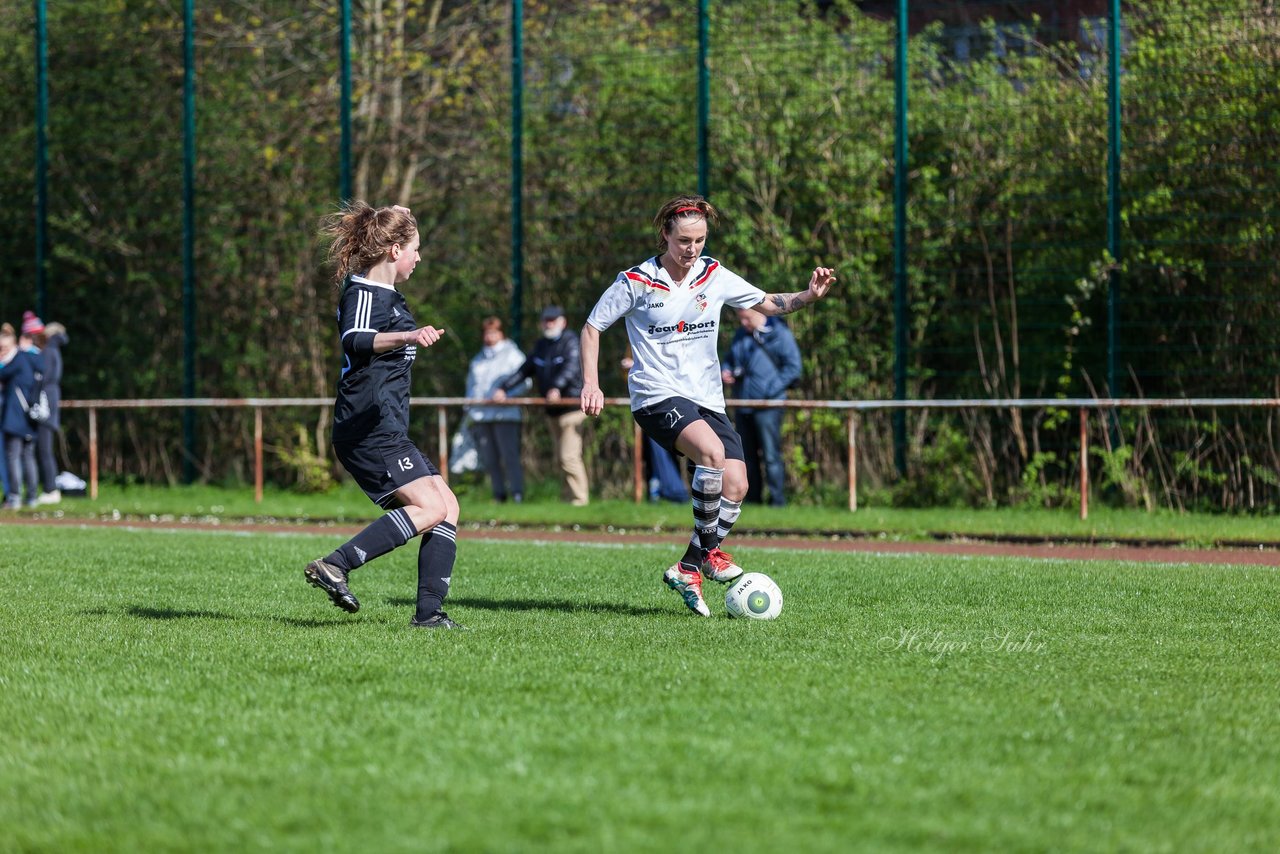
[[435, 568], [729, 513], [705, 487], [389, 532]]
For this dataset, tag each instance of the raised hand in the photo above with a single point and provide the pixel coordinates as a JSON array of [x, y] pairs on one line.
[[820, 282]]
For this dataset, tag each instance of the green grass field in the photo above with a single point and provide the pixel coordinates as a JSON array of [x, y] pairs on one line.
[[349, 505], [186, 690]]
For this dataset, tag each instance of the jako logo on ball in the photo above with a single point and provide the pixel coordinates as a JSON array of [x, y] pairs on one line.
[[754, 596]]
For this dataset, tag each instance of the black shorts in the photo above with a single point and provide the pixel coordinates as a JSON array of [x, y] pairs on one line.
[[382, 466], [665, 420]]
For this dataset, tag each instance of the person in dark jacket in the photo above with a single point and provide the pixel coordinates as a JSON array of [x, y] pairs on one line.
[[556, 366], [762, 363], [51, 339], [19, 375]]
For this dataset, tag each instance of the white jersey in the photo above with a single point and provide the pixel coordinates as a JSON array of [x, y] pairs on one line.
[[673, 328]]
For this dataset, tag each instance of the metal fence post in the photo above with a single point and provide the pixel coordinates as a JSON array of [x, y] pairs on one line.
[[1084, 463], [344, 111], [1113, 196], [42, 155], [257, 454], [93, 453], [442, 441], [900, 243], [517, 167], [853, 460], [704, 96], [188, 236]]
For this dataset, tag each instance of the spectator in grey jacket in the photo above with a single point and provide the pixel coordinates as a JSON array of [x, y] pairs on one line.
[[50, 340], [762, 363], [496, 429]]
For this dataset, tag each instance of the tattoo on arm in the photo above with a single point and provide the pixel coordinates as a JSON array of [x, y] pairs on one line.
[[787, 303]]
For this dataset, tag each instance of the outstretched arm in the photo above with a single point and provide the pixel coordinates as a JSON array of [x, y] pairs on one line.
[[778, 304], [385, 342], [592, 396]]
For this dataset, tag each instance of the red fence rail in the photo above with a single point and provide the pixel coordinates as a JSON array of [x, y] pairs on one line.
[[852, 407]]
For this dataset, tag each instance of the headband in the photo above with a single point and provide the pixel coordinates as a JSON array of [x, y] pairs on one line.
[[686, 209]]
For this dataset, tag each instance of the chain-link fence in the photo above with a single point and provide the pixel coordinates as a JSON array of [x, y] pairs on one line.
[[1012, 213]]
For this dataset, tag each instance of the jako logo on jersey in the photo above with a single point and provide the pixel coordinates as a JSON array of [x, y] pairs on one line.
[[682, 327]]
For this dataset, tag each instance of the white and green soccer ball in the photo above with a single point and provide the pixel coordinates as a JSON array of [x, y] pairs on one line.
[[754, 596]]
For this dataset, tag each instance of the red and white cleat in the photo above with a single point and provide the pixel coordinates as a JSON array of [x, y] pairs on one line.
[[719, 566], [688, 583]]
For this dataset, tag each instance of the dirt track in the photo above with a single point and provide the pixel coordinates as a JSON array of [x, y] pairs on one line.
[[1056, 551]]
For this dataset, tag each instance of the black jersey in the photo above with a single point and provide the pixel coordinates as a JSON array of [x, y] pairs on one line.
[[373, 394]]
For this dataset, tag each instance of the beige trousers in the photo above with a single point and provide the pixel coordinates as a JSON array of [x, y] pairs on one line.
[[566, 433]]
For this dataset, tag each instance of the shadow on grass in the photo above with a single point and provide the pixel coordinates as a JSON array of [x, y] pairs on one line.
[[144, 612], [565, 605]]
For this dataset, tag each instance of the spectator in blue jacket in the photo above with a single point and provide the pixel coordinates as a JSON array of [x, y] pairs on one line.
[[762, 363], [6, 332], [18, 373]]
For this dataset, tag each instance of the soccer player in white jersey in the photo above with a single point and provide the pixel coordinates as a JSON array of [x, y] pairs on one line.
[[672, 305]]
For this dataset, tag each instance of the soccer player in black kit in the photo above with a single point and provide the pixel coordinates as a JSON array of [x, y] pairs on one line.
[[375, 249]]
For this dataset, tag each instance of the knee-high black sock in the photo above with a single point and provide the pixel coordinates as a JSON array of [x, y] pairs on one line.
[[384, 534], [436, 555], [729, 513], [705, 487]]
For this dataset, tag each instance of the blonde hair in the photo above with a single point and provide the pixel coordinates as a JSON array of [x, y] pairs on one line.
[[361, 235], [682, 207], [50, 329]]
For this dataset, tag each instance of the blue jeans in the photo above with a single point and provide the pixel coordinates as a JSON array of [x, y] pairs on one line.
[[761, 432], [665, 481], [22, 467]]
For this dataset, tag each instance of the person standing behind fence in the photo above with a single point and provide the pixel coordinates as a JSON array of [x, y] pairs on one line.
[[376, 249], [556, 364], [496, 429], [671, 304], [50, 338], [6, 329], [762, 363], [19, 373]]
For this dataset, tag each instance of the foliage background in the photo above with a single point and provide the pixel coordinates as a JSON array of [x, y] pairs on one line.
[[1008, 270]]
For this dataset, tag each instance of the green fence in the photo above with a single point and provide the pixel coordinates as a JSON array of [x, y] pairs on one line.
[[1012, 213]]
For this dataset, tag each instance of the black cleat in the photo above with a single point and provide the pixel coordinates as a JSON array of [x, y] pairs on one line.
[[438, 620], [333, 581]]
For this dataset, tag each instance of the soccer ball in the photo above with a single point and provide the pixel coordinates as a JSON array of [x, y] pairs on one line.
[[754, 596]]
